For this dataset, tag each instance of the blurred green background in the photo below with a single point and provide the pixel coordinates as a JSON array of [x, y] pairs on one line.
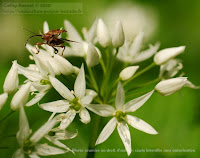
[[176, 117]]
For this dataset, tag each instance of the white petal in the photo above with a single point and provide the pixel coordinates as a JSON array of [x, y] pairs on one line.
[[167, 54], [101, 109], [61, 88], [39, 134], [120, 97], [86, 100], [146, 54], [91, 92], [57, 143], [89, 37], [72, 32], [103, 34], [20, 98], [191, 85], [107, 131], [68, 118], [65, 67], [92, 57], [3, 99], [33, 155], [118, 35], [140, 124], [137, 44], [84, 115], [46, 150], [80, 85], [18, 154], [24, 130], [135, 104], [125, 136], [11, 82], [56, 106], [45, 27], [36, 99], [41, 88], [128, 72]]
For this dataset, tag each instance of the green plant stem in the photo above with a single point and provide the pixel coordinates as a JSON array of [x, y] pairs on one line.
[[103, 66], [94, 83], [5, 117], [94, 134], [139, 73]]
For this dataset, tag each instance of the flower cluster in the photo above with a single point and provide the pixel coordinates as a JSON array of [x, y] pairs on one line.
[[110, 63]]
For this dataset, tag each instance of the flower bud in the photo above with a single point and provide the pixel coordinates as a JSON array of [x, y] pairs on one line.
[[21, 97], [167, 54], [3, 99], [118, 36], [103, 34], [11, 82], [92, 57], [65, 67], [170, 86], [128, 72]]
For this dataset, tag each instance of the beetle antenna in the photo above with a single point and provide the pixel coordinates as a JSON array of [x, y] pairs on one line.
[[69, 40], [30, 38], [29, 30]]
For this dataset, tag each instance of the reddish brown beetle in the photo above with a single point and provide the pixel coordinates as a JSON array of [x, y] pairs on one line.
[[51, 38]]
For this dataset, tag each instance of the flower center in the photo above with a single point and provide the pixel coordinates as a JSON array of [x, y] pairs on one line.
[[28, 146], [44, 82], [75, 104], [120, 116]]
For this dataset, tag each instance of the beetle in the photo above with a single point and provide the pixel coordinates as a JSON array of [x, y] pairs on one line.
[[51, 38]]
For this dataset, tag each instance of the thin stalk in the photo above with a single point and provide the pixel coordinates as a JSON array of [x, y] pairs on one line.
[[139, 73], [94, 83], [5, 117], [103, 66]]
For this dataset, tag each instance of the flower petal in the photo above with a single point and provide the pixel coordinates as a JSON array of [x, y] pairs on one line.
[[84, 115], [125, 136], [135, 104], [101, 109], [3, 99], [68, 118], [56, 106], [80, 85], [33, 155], [18, 154], [24, 130], [46, 150], [140, 124], [120, 97], [137, 44], [39, 134], [36, 99], [61, 88], [86, 100], [107, 131], [20, 98]]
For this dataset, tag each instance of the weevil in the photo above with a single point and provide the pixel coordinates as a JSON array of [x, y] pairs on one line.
[[51, 38]]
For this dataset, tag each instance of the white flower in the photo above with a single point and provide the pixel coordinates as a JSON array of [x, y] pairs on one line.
[[103, 34], [167, 54], [76, 102], [39, 76], [131, 52], [3, 99], [11, 82], [31, 147], [21, 96], [81, 48], [128, 72], [57, 134], [170, 86], [118, 35], [121, 118], [92, 57], [170, 69], [59, 64]]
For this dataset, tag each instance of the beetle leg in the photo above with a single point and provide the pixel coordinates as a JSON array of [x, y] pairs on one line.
[[63, 49], [38, 44], [56, 50]]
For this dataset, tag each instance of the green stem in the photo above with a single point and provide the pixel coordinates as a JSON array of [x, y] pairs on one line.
[[95, 132], [5, 117], [139, 73], [103, 66], [94, 83]]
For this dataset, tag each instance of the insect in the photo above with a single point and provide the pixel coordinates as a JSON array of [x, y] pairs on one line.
[[51, 38]]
